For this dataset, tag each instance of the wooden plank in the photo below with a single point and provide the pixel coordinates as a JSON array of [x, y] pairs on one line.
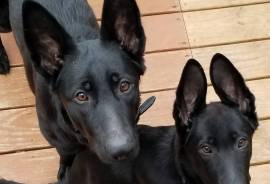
[[191, 5], [41, 167], [163, 70], [247, 57], [146, 7], [164, 32], [162, 110], [34, 167], [260, 174], [19, 130], [261, 143], [11, 49], [14, 90], [229, 25], [251, 59]]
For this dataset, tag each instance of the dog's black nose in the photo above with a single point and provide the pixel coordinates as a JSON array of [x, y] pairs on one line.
[[122, 150], [122, 153]]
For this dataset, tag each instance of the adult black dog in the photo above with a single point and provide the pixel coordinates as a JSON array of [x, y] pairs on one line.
[[212, 143], [86, 80]]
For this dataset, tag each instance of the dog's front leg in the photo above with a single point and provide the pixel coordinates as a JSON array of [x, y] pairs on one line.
[[4, 62], [65, 163], [4, 28]]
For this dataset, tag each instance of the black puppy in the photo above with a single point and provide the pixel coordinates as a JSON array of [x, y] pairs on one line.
[[86, 80], [212, 143]]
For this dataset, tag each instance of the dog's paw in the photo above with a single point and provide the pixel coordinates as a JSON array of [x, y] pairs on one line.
[[4, 63]]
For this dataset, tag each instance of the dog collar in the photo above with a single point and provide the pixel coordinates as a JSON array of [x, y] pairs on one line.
[[146, 105]]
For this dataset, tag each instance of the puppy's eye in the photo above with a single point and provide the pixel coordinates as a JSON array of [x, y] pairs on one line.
[[206, 149], [242, 143], [124, 86], [81, 96]]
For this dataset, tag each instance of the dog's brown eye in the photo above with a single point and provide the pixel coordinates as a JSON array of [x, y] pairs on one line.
[[242, 143], [124, 86], [81, 96], [206, 149]]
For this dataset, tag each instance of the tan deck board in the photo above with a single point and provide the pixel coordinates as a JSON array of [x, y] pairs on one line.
[[261, 143], [34, 167], [228, 25], [247, 57], [14, 90], [19, 130], [251, 59], [191, 5], [260, 175], [165, 32], [161, 111]]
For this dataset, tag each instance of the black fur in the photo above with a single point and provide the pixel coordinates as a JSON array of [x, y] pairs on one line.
[[3, 181], [4, 17], [77, 74], [87, 169], [211, 143], [4, 62], [4, 28]]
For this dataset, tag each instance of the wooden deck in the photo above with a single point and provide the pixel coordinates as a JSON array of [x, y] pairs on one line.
[[176, 30]]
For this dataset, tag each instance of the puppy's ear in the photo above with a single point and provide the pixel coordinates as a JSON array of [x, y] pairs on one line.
[[231, 88], [190, 94], [46, 40], [121, 23]]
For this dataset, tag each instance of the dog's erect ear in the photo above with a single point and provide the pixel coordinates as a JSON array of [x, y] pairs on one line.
[[46, 40], [191, 93], [121, 23], [230, 86]]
